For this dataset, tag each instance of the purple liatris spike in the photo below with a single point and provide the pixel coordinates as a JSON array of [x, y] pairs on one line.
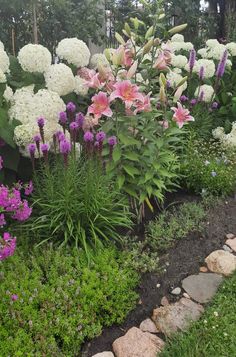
[[65, 149], [62, 118], [45, 148], [112, 141], [79, 119], [31, 150], [71, 107], [88, 137], [215, 105], [100, 136], [192, 59], [201, 73], [74, 126], [1, 162], [183, 98], [41, 122], [222, 64], [201, 96]]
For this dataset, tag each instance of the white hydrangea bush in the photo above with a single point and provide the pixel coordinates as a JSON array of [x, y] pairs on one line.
[[74, 51], [4, 61], [34, 58], [227, 140], [60, 79]]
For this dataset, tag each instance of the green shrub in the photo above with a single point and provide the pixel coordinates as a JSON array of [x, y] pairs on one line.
[[78, 205], [61, 300], [209, 168], [173, 225]]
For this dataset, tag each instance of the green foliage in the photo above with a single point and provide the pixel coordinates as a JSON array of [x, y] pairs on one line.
[[61, 301], [77, 205], [145, 161], [214, 334], [172, 225], [209, 168]]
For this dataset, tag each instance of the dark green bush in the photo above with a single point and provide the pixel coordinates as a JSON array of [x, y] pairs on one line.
[[61, 300]]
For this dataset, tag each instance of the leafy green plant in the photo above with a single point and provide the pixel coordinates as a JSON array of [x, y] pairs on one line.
[[209, 168], [77, 205], [172, 225], [52, 301]]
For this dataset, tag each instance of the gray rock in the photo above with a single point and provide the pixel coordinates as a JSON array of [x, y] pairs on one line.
[[221, 262], [176, 291], [202, 287], [178, 316], [227, 249], [232, 244], [104, 354], [148, 326]]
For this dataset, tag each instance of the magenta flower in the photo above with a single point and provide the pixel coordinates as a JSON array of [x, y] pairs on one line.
[[222, 64], [127, 92], [183, 98], [31, 150], [100, 136], [193, 102], [100, 106], [37, 140], [2, 220], [62, 118], [7, 246], [201, 73], [65, 147], [88, 137], [71, 107], [14, 297], [74, 126], [112, 141], [29, 188], [215, 105], [41, 122], [79, 119], [23, 212], [45, 150], [192, 59], [181, 115]]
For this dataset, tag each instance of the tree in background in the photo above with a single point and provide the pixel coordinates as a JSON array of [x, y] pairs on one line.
[[48, 21]]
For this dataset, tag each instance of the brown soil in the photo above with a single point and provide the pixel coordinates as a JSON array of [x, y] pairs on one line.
[[183, 259]]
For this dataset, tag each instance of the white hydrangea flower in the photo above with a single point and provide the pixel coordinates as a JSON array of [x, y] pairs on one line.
[[80, 86], [2, 77], [27, 106], [188, 46], [217, 52], [34, 58], [1, 46], [60, 79], [208, 93], [231, 47], [208, 65], [177, 38], [4, 61], [203, 52], [174, 79], [73, 51], [179, 61], [218, 132], [98, 59], [229, 63], [212, 43], [178, 46], [177, 70], [8, 94]]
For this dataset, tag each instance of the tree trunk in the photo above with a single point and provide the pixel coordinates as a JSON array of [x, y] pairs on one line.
[[35, 27], [230, 20]]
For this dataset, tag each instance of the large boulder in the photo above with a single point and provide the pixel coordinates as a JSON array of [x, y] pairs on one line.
[[221, 262]]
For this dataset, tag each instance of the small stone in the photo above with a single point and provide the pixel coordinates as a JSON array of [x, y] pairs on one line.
[[232, 243], [148, 326], [230, 236], [158, 285], [176, 291], [226, 248], [203, 269], [221, 262], [202, 287], [140, 302], [186, 296], [178, 316], [104, 354], [164, 301], [136, 343]]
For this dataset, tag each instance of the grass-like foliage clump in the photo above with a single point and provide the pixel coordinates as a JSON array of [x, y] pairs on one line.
[[52, 301]]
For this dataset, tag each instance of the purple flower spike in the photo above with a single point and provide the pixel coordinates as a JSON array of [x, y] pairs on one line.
[[36, 138], [222, 64], [100, 136], [201, 73], [74, 126], [41, 122], [168, 83], [14, 297], [88, 137], [96, 144], [1, 162], [44, 148], [215, 105], [71, 107], [193, 102], [183, 98], [62, 118], [65, 147], [112, 141], [31, 150], [192, 59], [79, 119]]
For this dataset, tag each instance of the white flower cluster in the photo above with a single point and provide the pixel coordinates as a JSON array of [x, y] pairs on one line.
[[231, 47], [34, 58], [98, 59], [2, 77], [60, 79], [179, 45], [73, 51], [179, 61], [208, 65], [207, 92], [80, 86], [8, 94], [174, 79], [4, 61], [177, 38], [227, 140], [1, 46]]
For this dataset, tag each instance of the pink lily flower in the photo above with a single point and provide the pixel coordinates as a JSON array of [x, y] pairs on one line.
[[127, 92], [144, 106], [100, 106], [181, 115], [163, 60], [91, 77]]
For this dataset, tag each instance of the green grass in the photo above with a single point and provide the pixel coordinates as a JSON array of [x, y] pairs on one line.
[[214, 335]]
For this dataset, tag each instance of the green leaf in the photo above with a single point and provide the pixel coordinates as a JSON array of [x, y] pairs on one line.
[[131, 171], [120, 181], [132, 156], [116, 155], [128, 140], [148, 176], [130, 192]]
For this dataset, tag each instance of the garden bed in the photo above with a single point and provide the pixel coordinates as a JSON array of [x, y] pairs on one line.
[[183, 259]]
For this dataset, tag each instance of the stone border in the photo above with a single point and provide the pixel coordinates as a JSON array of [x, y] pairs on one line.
[[171, 318]]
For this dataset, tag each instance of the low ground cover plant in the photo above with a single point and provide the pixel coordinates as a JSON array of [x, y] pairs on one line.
[[51, 300], [214, 334]]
